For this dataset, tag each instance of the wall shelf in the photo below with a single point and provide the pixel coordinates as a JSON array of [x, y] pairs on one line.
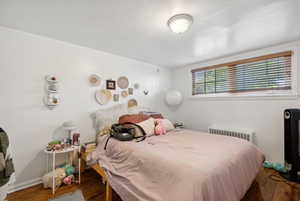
[[51, 98]]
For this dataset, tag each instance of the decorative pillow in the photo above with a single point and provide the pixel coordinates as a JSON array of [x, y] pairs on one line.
[[133, 118], [159, 128], [148, 126], [167, 124]]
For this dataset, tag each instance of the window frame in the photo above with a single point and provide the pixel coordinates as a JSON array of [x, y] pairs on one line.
[[291, 93]]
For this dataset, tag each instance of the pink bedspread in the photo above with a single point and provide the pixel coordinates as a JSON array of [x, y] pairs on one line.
[[183, 165]]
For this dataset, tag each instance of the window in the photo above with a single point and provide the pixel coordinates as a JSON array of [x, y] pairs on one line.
[[264, 73]]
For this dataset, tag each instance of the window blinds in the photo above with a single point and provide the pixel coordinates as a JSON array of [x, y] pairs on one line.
[[269, 72]]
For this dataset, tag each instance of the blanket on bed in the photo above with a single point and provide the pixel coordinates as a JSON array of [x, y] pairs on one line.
[[183, 165]]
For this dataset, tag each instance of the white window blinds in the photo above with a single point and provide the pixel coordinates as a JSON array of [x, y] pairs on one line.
[[269, 72]]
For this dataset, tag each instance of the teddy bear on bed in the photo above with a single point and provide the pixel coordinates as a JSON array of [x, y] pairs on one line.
[[159, 127]]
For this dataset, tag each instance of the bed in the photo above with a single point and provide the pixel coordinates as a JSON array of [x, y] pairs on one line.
[[183, 165]]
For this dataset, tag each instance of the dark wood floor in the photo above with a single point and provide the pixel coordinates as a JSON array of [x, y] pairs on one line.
[[91, 186], [264, 188]]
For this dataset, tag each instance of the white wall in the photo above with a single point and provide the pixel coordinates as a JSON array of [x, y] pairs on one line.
[[263, 115], [25, 59]]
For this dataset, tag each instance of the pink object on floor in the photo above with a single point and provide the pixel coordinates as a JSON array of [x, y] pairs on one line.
[[68, 180]]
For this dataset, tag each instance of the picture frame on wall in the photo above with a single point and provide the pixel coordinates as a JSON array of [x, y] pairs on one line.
[[130, 91], [111, 84], [116, 97]]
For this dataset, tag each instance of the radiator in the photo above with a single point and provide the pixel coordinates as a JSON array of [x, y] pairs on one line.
[[239, 133]]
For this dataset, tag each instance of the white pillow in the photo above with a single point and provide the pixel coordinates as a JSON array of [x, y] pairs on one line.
[[167, 124], [148, 126]]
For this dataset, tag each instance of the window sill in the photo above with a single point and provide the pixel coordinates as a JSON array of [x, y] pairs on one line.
[[254, 97]]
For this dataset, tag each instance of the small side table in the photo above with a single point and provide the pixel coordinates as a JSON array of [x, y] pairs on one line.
[[73, 150]]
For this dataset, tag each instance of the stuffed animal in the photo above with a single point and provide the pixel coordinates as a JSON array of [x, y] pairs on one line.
[[276, 166], [59, 174], [68, 180], [69, 170], [159, 128]]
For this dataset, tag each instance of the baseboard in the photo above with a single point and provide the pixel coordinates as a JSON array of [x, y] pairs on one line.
[[23, 185]]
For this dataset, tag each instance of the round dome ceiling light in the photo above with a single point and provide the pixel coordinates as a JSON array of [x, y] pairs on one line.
[[180, 23]]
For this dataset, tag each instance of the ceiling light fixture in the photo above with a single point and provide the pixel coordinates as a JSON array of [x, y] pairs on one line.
[[180, 23]]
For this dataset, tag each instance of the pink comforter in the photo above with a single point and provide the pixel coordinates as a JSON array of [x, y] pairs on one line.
[[183, 165]]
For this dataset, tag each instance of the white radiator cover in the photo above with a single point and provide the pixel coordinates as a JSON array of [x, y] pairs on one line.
[[245, 134]]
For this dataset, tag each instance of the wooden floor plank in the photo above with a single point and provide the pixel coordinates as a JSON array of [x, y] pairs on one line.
[[264, 188]]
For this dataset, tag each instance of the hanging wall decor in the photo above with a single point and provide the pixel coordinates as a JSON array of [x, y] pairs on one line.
[[124, 93], [116, 97], [110, 84], [146, 92], [51, 98], [94, 80], [103, 96], [123, 82], [130, 91], [132, 103], [136, 85]]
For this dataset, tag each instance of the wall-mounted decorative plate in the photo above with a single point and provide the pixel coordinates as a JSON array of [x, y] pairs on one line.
[[124, 93], [94, 80], [132, 103], [103, 96], [123, 82]]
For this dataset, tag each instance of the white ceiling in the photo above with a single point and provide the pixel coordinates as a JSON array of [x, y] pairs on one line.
[[137, 28]]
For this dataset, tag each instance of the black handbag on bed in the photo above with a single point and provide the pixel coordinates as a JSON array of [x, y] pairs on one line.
[[125, 132]]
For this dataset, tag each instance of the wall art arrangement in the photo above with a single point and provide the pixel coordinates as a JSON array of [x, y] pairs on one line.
[[51, 98], [114, 90]]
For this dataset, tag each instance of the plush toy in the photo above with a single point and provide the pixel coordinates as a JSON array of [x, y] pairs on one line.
[[68, 180], [54, 142], [159, 128], [59, 174], [69, 170], [276, 166]]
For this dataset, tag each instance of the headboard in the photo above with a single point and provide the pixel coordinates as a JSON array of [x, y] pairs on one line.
[[106, 117]]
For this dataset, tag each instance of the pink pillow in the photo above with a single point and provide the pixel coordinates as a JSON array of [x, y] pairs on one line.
[[159, 128]]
